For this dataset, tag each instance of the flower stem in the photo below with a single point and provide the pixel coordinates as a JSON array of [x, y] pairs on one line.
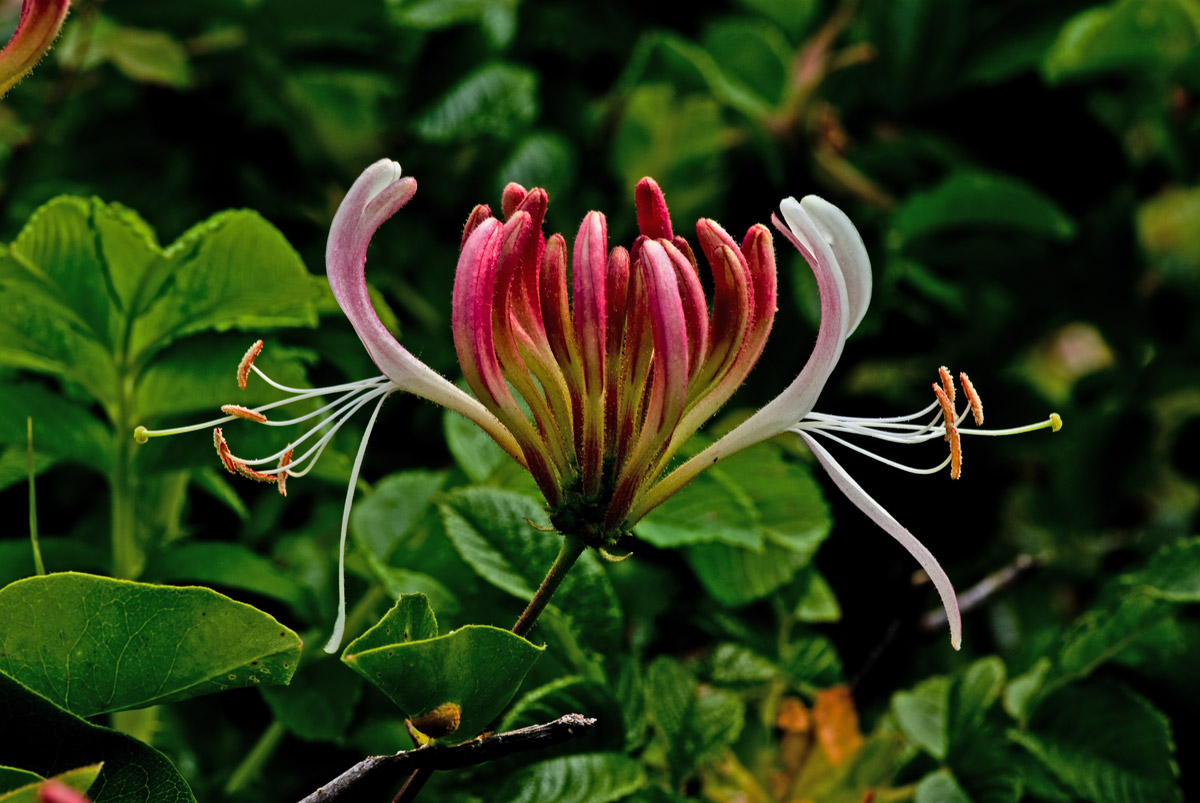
[[256, 759], [38, 565], [572, 547]]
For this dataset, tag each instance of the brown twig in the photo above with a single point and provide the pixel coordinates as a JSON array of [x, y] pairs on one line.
[[982, 591], [378, 769]]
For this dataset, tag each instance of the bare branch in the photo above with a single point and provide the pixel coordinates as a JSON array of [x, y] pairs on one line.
[[380, 769]]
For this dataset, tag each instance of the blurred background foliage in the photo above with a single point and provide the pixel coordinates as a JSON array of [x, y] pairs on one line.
[[1025, 176]]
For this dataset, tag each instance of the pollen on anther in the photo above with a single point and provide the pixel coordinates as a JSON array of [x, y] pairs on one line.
[[282, 476], [972, 398], [243, 412], [955, 451], [947, 408], [947, 383], [243, 372], [223, 451]]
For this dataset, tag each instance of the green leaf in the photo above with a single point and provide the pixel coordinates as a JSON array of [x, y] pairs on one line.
[[43, 738], [1172, 573], [497, 100], [922, 715], [318, 705], [233, 271], [1106, 743], [498, 17], [12, 778], [817, 602], [979, 201], [380, 522], [696, 722], [813, 661], [735, 664], [495, 533], [62, 429], [1021, 693], [753, 54], [586, 778], [94, 644], [540, 160], [940, 787], [476, 669], [1100, 634], [793, 16], [80, 779], [1164, 224], [973, 693], [783, 509], [572, 695], [229, 566], [148, 57], [1152, 36]]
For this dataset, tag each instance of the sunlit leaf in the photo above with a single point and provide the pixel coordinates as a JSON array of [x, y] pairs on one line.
[[93, 644]]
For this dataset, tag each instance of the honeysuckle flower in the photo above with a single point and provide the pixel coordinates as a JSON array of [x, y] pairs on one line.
[[37, 27], [595, 389]]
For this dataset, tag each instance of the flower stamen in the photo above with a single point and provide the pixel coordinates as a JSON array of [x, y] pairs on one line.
[[238, 411], [972, 398], [247, 362]]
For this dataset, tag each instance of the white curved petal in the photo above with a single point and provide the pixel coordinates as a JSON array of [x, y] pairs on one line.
[[375, 196], [849, 252], [877, 514]]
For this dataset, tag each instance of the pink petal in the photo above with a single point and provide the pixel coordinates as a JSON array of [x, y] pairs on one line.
[[38, 25], [654, 221]]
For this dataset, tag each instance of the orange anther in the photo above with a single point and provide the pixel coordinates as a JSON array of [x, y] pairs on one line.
[[282, 476], [955, 451], [972, 399], [243, 371], [947, 408], [223, 451], [243, 412], [947, 383]]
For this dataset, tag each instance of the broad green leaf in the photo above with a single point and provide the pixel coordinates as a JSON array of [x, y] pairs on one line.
[[585, 778], [473, 671], [1152, 36], [13, 778], [696, 722], [43, 738], [1022, 692], [540, 160], [319, 704], [813, 661], [817, 602], [79, 779], [971, 200], [986, 764], [735, 664], [233, 271], [93, 644], [711, 508], [380, 522], [498, 17], [787, 511], [972, 694], [148, 57], [496, 100], [1172, 573], [1100, 634], [1166, 233], [495, 533], [58, 553], [922, 714], [793, 16], [1106, 743], [229, 566], [572, 695], [753, 54], [62, 429], [940, 787]]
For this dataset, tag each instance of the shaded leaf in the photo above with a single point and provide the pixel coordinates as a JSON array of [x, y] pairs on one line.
[[496, 100], [940, 787], [696, 722], [94, 644], [922, 715], [1150, 35], [43, 738], [586, 778]]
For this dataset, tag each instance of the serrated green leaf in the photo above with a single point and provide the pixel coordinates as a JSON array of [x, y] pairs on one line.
[[735, 664], [473, 449], [572, 695], [586, 778], [80, 779], [228, 566], [940, 787], [94, 644], [540, 160], [1172, 573], [1101, 634], [62, 429], [497, 100], [380, 522], [696, 722], [476, 668], [972, 694], [987, 765], [41, 737], [1153, 36], [232, 271], [817, 602], [813, 661], [1106, 743], [979, 201], [494, 531], [923, 713]]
